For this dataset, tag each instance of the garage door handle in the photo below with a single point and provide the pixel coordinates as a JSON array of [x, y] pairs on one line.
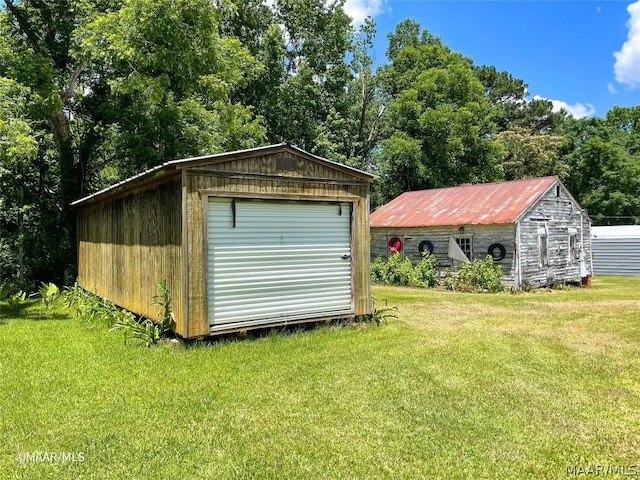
[[346, 256]]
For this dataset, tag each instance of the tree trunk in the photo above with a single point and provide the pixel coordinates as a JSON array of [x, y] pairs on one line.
[[70, 186]]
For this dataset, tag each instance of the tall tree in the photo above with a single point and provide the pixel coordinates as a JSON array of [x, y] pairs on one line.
[[120, 86], [38, 36], [349, 134], [440, 122], [604, 159], [18, 150], [530, 155], [513, 110], [303, 51], [171, 80]]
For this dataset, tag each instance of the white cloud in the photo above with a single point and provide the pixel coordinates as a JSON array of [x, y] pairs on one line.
[[358, 10], [578, 110], [611, 88], [627, 65]]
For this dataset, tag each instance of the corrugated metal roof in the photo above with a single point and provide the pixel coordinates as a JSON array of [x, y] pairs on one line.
[[482, 204], [186, 162]]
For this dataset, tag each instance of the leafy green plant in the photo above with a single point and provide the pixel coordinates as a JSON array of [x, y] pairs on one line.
[[15, 301], [380, 315], [49, 292], [378, 270], [6, 290], [163, 300], [477, 276], [397, 271], [145, 331], [89, 307], [425, 272]]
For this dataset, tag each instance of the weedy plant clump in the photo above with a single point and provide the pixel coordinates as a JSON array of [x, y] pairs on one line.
[[146, 331], [477, 276], [403, 272], [48, 292]]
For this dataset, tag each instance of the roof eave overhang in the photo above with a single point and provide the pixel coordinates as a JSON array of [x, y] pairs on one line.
[[445, 225], [166, 168]]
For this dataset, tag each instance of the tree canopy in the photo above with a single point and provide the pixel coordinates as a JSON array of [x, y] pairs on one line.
[[93, 92]]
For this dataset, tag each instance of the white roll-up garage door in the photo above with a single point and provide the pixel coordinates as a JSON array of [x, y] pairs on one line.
[[277, 260]]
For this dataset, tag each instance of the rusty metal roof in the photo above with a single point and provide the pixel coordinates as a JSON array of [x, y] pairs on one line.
[[482, 204]]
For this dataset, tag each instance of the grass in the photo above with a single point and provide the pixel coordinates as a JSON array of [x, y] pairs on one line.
[[458, 386]]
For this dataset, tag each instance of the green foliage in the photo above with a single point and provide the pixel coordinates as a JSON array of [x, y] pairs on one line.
[[604, 157], [425, 272], [145, 331], [440, 123], [396, 271], [92, 309], [49, 292], [163, 300], [7, 289], [477, 276], [380, 315], [529, 155], [15, 301], [512, 109]]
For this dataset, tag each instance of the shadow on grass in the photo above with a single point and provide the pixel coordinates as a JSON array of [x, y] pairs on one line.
[[257, 334], [30, 310]]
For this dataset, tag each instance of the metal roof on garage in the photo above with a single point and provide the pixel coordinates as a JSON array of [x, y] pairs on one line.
[[481, 204], [174, 165]]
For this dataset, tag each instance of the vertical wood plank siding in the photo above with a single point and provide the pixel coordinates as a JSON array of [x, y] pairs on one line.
[[131, 238], [127, 245], [271, 176]]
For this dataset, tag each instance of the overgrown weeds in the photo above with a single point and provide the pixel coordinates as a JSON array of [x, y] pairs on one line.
[[477, 276], [89, 307], [48, 292], [380, 315], [146, 331], [396, 271]]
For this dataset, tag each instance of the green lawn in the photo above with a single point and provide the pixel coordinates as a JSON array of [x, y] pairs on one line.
[[458, 386]]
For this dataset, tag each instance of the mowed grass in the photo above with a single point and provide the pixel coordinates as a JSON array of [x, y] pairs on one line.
[[458, 386]]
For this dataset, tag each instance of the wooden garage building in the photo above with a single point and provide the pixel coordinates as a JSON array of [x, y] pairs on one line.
[[247, 239], [534, 228]]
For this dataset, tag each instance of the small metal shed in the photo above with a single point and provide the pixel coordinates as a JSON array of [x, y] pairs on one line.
[[259, 237], [616, 250], [533, 227]]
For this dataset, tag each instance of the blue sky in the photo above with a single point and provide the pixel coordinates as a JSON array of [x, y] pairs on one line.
[[582, 55]]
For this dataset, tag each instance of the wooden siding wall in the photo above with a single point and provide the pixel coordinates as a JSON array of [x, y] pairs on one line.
[[127, 245], [278, 176], [483, 237], [560, 214]]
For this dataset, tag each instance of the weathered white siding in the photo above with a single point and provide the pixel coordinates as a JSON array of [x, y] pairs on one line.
[[555, 213], [483, 236], [559, 213]]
